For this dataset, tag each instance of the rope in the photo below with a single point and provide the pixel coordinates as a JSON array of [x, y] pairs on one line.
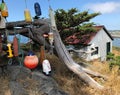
[[10, 61], [51, 42], [44, 48], [20, 51], [6, 34], [26, 4], [49, 3], [30, 34]]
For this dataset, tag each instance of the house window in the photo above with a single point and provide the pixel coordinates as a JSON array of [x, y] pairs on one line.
[[95, 52]]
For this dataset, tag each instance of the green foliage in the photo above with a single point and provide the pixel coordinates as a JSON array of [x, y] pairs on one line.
[[75, 20], [113, 60], [66, 33], [86, 28], [110, 56], [72, 18]]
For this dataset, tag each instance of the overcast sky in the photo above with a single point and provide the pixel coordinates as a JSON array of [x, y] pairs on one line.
[[109, 9]]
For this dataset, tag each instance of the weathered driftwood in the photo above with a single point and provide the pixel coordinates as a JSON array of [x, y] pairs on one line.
[[35, 31], [77, 69]]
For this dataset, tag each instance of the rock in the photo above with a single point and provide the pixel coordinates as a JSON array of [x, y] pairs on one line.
[[18, 72], [3, 70], [47, 84], [17, 89], [23, 80]]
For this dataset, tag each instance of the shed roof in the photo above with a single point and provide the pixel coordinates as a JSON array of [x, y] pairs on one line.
[[86, 38], [102, 26]]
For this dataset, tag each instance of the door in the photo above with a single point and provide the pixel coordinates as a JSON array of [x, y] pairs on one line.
[[108, 47]]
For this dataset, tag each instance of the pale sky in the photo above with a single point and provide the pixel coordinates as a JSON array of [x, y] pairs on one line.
[[109, 9]]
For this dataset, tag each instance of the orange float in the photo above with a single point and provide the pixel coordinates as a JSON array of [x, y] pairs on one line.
[[15, 46], [42, 54], [31, 61], [4, 9]]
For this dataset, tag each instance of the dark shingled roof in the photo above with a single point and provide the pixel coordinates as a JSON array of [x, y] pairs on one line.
[[86, 38]]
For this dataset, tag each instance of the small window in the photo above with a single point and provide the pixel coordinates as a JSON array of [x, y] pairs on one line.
[[95, 52]]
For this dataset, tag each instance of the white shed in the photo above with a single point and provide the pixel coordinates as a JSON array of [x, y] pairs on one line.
[[97, 44]]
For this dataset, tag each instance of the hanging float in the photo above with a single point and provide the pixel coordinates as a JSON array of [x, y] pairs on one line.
[[9, 50], [27, 14], [42, 54], [37, 9], [2, 22], [4, 9], [46, 67], [51, 37], [42, 49], [31, 60], [15, 46]]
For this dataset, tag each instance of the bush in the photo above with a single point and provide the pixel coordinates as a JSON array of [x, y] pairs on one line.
[[113, 60], [110, 56]]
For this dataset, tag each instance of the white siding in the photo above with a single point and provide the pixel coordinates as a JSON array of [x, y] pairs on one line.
[[100, 41]]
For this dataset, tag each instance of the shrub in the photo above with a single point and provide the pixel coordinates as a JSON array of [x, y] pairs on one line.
[[110, 56], [113, 60]]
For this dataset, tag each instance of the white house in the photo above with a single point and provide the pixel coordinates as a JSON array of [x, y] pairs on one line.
[[96, 44]]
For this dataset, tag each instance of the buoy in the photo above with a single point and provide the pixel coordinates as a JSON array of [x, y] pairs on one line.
[[9, 50], [42, 54], [37, 9], [46, 67], [27, 15], [2, 22], [31, 61], [4, 9], [15, 46], [51, 37]]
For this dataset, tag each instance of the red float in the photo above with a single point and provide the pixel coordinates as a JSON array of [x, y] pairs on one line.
[[15, 46], [31, 61]]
